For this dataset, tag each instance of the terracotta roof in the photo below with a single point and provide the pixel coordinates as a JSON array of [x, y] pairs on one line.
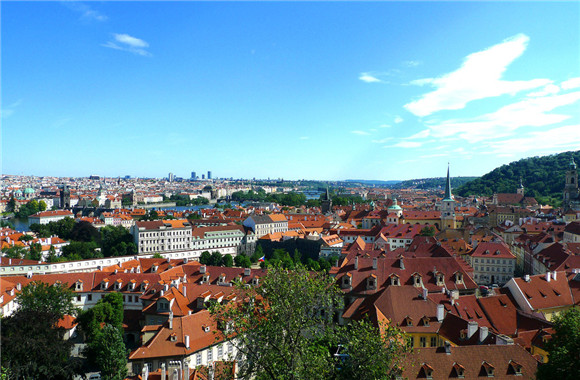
[[542, 294]]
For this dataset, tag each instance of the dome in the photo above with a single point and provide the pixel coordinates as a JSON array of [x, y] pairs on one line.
[[394, 206], [29, 190]]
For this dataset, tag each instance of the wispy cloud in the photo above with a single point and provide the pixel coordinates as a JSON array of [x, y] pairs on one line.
[[10, 109], [398, 119], [385, 126], [362, 133], [367, 77], [571, 83], [530, 112], [304, 138], [405, 144], [128, 43], [419, 135], [86, 12], [411, 63], [382, 141], [552, 140], [479, 77]]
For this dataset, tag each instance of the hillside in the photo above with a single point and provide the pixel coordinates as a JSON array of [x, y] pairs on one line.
[[432, 183], [543, 178]]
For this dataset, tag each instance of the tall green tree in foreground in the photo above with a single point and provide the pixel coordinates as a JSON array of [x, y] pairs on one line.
[[563, 348], [284, 329], [32, 344]]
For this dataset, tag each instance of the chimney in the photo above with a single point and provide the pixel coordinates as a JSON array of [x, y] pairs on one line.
[[170, 320], [145, 372], [447, 348], [483, 331], [527, 278], [471, 328], [202, 269], [187, 342], [440, 312], [554, 275], [401, 263], [166, 287], [163, 371], [425, 294], [375, 263], [548, 276], [247, 271], [184, 291], [19, 286], [356, 262]]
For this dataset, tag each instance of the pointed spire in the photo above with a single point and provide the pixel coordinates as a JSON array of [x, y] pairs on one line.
[[327, 195], [448, 194]]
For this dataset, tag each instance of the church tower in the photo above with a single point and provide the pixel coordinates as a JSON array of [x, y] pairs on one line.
[[448, 207], [571, 193], [520, 190], [326, 203]]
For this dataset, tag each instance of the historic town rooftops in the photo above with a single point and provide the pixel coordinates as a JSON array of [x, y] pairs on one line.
[[495, 250], [540, 293]]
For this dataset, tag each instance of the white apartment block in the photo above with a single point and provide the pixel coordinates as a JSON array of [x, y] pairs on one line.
[[162, 236]]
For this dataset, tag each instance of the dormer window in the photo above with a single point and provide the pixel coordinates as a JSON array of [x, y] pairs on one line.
[[256, 281], [222, 278], [427, 370], [173, 337], [346, 280], [459, 370], [488, 369], [417, 280], [144, 285], [515, 368], [79, 286], [459, 278], [118, 284], [425, 321], [132, 285], [395, 280], [154, 268], [372, 282], [104, 284], [205, 278], [408, 321], [440, 278], [162, 305]]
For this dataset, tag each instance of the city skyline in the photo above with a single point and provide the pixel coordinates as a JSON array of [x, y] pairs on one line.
[[329, 91]]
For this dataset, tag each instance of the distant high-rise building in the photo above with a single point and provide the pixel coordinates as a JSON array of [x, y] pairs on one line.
[[193, 176], [208, 174], [203, 176], [171, 177]]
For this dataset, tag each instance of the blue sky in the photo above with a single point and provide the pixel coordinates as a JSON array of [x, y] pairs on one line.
[[341, 90]]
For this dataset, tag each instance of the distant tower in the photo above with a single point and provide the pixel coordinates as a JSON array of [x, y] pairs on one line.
[[208, 174], [193, 176], [65, 197], [448, 206], [571, 195], [326, 203], [521, 188], [171, 177]]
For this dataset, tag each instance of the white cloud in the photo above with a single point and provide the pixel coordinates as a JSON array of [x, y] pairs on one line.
[[552, 140], [398, 119], [420, 135], [478, 77], [86, 11], [411, 63], [304, 138], [367, 77], [406, 144], [571, 83], [128, 43], [382, 141], [10, 109], [550, 89], [362, 133], [530, 112], [384, 126]]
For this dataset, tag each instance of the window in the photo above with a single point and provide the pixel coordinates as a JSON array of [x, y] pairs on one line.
[[89, 297], [423, 341], [198, 359], [220, 351], [210, 355], [433, 341]]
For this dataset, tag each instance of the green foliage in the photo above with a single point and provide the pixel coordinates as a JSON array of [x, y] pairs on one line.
[[30, 208], [84, 231], [15, 252], [242, 261], [543, 177], [25, 238], [205, 258], [216, 259], [5, 223], [157, 255], [78, 250], [108, 310], [117, 241], [285, 330], [347, 200], [563, 348], [285, 199], [228, 260], [110, 354], [34, 252], [432, 183], [62, 228], [427, 231], [32, 346]]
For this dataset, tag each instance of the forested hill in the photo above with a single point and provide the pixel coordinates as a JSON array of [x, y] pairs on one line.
[[432, 183], [543, 178]]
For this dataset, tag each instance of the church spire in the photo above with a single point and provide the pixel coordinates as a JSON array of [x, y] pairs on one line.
[[448, 194]]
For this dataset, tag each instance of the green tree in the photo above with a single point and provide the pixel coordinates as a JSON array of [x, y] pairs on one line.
[[117, 241], [216, 259], [108, 310], [15, 252], [110, 354], [11, 206], [563, 348], [205, 258], [32, 345], [228, 261], [86, 232], [242, 261], [258, 253], [284, 329], [34, 252], [157, 255], [427, 231], [79, 250]]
